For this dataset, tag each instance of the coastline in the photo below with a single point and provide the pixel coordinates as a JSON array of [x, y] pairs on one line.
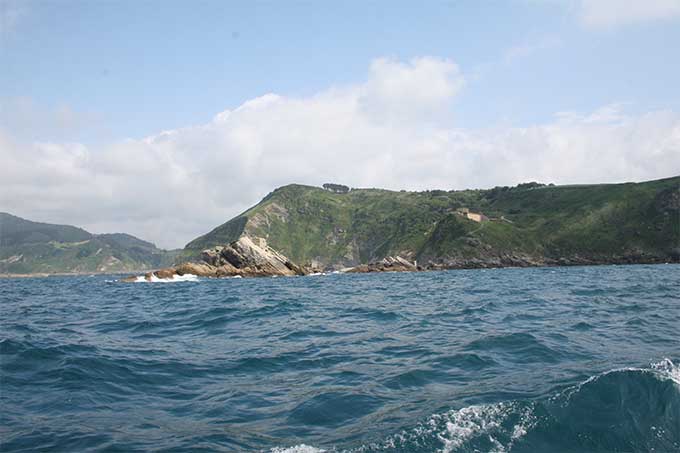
[[65, 274], [429, 268]]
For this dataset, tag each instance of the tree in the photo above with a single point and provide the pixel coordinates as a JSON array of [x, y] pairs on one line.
[[336, 188]]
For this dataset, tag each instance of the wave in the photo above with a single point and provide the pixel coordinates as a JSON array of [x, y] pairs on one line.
[[175, 278], [625, 409], [517, 346], [302, 448]]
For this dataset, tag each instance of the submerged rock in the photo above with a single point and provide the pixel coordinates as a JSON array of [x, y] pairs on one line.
[[242, 257]]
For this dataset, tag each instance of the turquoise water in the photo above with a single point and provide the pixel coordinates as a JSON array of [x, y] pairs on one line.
[[506, 360]]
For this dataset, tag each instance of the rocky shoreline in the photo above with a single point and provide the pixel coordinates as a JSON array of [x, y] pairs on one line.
[[388, 264], [241, 258], [529, 261], [252, 257], [399, 264], [61, 274]]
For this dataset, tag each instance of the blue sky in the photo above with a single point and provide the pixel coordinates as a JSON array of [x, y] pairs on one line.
[[108, 106], [142, 67]]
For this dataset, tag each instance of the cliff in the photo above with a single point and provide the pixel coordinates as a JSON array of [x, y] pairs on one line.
[[526, 225]]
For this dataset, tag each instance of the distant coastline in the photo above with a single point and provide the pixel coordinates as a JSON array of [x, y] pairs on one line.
[[61, 274]]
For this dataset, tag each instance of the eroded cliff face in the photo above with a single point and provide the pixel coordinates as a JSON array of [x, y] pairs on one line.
[[245, 257], [251, 257]]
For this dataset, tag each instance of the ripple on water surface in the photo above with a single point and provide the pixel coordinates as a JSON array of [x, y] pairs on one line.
[[505, 360]]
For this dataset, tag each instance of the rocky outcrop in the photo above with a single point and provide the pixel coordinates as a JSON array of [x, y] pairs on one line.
[[524, 260], [243, 258], [388, 264], [399, 264]]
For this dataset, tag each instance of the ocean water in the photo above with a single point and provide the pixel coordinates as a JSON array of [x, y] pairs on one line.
[[578, 359]]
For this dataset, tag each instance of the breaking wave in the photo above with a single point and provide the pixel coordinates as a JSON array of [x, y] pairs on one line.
[[626, 409], [175, 278], [302, 448]]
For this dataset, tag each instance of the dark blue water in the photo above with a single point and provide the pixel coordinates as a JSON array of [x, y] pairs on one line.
[[507, 360]]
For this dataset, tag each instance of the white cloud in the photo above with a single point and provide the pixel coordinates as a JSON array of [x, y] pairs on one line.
[[612, 13], [391, 131], [419, 89]]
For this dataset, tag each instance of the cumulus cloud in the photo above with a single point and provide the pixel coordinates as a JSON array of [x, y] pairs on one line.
[[418, 90], [393, 130], [612, 13]]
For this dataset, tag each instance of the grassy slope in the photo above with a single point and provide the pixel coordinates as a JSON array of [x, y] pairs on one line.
[[597, 219], [31, 247], [593, 221], [15, 231]]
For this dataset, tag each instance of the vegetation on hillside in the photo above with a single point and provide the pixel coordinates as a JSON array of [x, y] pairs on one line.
[[17, 231], [31, 247], [528, 224], [532, 222]]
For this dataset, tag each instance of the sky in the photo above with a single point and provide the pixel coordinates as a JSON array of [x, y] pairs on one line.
[[164, 119]]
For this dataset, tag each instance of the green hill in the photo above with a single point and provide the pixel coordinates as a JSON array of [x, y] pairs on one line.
[[17, 231], [530, 224], [28, 247]]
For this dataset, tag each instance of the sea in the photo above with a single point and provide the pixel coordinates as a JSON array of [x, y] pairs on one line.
[[556, 359]]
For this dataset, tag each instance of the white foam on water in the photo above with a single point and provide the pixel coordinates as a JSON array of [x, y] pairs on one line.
[[668, 370], [664, 370], [456, 428], [175, 278], [302, 448], [481, 420]]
